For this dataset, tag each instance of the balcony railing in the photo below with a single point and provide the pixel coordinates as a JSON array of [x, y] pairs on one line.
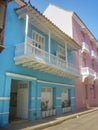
[[87, 72], [85, 48], [31, 56], [93, 54], [96, 76]]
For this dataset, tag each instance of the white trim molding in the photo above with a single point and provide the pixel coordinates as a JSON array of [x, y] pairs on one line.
[[33, 98], [72, 97], [58, 106], [58, 98], [33, 78], [4, 98], [39, 98], [20, 76], [32, 109], [3, 113], [55, 83]]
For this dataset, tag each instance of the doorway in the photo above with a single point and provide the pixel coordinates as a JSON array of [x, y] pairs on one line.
[[18, 100]]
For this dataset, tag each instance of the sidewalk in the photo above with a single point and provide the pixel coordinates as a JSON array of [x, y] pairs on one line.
[[46, 122]]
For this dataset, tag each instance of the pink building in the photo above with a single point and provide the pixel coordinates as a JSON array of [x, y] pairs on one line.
[[86, 86]]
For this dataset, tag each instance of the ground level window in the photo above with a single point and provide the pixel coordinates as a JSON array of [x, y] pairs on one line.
[[65, 98], [46, 98]]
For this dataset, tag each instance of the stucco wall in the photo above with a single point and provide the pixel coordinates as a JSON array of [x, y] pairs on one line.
[[14, 34]]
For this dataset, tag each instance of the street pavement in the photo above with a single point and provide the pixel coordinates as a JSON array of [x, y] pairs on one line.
[[51, 121], [85, 122]]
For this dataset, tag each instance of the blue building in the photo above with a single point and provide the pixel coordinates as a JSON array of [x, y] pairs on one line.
[[37, 68]]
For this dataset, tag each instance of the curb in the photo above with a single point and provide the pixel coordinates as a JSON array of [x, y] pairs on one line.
[[58, 121]]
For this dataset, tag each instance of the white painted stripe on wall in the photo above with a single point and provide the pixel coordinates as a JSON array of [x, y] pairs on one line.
[[33, 78], [72, 97], [58, 98], [20, 76], [55, 83], [33, 109], [33, 98], [39, 98], [4, 98], [58, 106], [4, 113]]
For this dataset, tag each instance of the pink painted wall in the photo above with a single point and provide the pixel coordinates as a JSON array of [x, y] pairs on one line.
[[85, 96]]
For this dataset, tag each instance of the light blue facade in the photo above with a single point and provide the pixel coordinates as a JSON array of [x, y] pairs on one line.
[[14, 34]]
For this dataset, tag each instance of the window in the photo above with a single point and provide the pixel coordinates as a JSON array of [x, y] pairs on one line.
[[64, 94], [93, 65], [61, 52], [94, 90], [91, 43], [47, 97], [86, 92], [84, 62], [83, 36], [65, 98], [38, 40]]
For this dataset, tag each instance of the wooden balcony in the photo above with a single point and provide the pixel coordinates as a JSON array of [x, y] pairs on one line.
[[29, 55]]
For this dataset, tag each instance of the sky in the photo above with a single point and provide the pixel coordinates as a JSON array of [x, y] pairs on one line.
[[87, 10]]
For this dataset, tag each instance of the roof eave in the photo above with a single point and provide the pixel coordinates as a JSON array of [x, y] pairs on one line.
[[29, 7]]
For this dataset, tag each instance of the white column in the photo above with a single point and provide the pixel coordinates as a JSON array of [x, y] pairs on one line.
[[49, 45], [26, 31], [26, 27], [66, 51], [66, 55]]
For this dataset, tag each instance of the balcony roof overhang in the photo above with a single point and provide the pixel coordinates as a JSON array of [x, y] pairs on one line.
[[42, 66], [39, 20], [87, 72], [84, 28]]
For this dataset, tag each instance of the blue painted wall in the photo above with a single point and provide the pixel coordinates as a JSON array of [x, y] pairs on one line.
[[14, 34]]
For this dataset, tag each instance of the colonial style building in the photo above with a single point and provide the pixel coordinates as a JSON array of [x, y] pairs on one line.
[[86, 86], [37, 71]]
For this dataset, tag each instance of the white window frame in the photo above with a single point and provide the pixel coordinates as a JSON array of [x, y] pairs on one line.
[[40, 45], [60, 54]]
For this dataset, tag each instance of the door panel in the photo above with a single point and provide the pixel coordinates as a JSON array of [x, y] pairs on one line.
[[22, 101]]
